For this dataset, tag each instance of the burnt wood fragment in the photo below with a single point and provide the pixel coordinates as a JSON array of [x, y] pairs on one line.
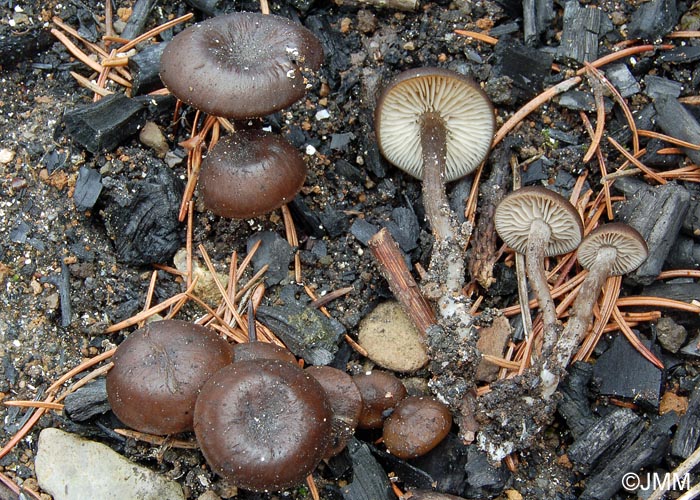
[[537, 16], [445, 464], [691, 223], [657, 86], [684, 290], [88, 187], [484, 480], [88, 401], [525, 66], [574, 405], [274, 252], [685, 441], [657, 213], [369, 481], [104, 124], [145, 69], [138, 18], [681, 55], [582, 26], [652, 20], [19, 45], [684, 254], [623, 79], [675, 120]]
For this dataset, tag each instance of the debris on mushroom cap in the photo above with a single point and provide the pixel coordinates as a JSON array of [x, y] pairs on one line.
[[240, 65], [250, 173], [466, 111], [630, 248], [517, 210]]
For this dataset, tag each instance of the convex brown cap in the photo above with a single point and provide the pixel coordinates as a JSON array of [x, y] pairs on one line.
[[630, 248], [250, 173], [515, 213], [240, 65], [466, 111]]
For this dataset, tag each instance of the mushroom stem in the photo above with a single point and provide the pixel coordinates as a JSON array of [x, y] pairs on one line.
[[582, 310], [540, 233], [434, 145]]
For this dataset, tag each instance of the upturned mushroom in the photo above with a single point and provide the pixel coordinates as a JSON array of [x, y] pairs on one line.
[[612, 249], [240, 65], [539, 223], [436, 125], [250, 173]]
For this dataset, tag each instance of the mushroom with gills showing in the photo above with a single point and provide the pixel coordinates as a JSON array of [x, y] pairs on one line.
[[240, 65], [436, 125], [250, 173], [612, 249], [539, 223]]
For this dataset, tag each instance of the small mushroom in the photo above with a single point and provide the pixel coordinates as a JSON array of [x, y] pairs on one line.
[[263, 425], [417, 425], [381, 392], [158, 372], [538, 222], [240, 65], [609, 250], [250, 173]]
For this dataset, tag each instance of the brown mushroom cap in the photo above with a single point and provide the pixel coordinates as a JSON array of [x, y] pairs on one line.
[[240, 65], [515, 213], [263, 425], [250, 173], [158, 372], [462, 105], [381, 391], [416, 426], [630, 248], [248, 351]]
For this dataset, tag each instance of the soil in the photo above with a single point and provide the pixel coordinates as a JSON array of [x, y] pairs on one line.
[[46, 239]]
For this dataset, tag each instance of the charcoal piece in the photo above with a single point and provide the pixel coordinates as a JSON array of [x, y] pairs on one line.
[[305, 219], [141, 218], [212, 7], [335, 222], [681, 55], [349, 171], [691, 223], [537, 16], [21, 45], [656, 86], [525, 66], [622, 372], [675, 120], [363, 230], [560, 136], [653, 159], [616, 428], [536, 172], [623, 79], [369, 481], [582, 26], [643, 119], [577, 100], [684, 254], [412, 476], [574, 405], [340, 142], [646, 451], [104, 124], [275, 252], [62, 283], [504, 29], [88, 401], [682, 290], [652, 20], [446, 465], [484, 480], [138, 18], [692, 348], [404, 227], [145, 69], [457, 198], [657, 213], [304, 330], [19, 233], [88, 187], [685, 441]]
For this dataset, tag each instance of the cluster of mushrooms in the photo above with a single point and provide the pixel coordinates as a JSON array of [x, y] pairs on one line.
[[261, 421]]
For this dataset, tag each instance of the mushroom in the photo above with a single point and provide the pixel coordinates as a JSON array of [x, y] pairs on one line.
[[263, 425], [240, 65], [381, 392], [609, 250], [250, 173], [417, 425], [158, 371], [538, 222], [436, 125]]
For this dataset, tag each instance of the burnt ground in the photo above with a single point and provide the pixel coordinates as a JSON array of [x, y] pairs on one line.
[[50, 247]]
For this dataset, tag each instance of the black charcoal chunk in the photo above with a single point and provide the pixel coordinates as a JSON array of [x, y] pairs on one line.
[[525, 66], [684, 254], [305, 219], [104, 124], [413, 477], [445, 464], [304, 330], [688, 432], [574, 405], [141, 218], [484, 480], [335, 222], [610, 433], [20, 45], [657, 213], [349, 171], [138, 18], [684, 290], [691, 223], [88, 401], [656, 86], [88, 187], [623, 79], [692, 348], [145, 69], [404, 227], [458, 196], [504, 29], [675, 120], [369, 481], [537, 16], [582, 27], [274, 252], [558, 135], [652, 20], [652, 158], [340, 142], [20, 233], [577, 100], [646, 451], [623, 372], [363, 230], [681, 55]]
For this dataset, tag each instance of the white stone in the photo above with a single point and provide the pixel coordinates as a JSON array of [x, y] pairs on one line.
[[72, 468]]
